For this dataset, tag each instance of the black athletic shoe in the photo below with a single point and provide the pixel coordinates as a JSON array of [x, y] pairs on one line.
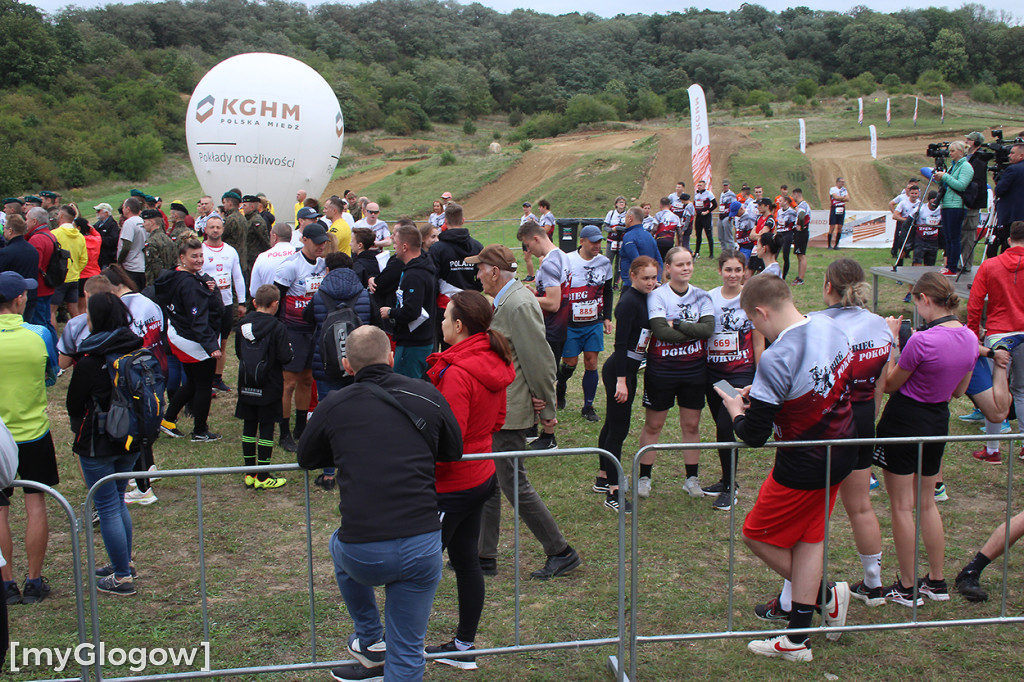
[[725, 500], [355, 672], [546, 441], [205, 437], [968, 584], [872, 596], [611, 500], [465, 662], [31, 594], [600, 484], [560, 400], [488, 566], [325, 483], [557, 565], [589, 414], [288, 443], [771, 610], [715, 489], [12, 594]]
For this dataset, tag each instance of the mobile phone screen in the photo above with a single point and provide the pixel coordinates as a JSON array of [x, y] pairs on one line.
[[727, 388]]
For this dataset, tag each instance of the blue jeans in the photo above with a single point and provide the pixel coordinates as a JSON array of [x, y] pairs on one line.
[[411, 361], [410, 569], [115, 521], [323, 388], [952, 222], [41, 315], [173, 373]]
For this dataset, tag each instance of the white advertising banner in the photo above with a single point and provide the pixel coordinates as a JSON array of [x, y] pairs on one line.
[[861, 229], [700, 138], [803, 137]]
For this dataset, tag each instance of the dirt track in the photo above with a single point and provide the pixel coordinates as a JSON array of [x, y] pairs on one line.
[[539, 164], [852, 160], [672, 162], [357, 181]]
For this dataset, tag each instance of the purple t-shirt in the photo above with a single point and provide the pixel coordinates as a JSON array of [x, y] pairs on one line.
[[938, 358]]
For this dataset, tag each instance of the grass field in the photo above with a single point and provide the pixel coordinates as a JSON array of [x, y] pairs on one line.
[[255, 551]]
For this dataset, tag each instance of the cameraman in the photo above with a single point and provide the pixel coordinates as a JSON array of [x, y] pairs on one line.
[[1010, 192], [957, 178], [976, 196]]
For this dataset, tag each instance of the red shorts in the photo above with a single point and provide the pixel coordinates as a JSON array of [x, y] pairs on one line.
[[785, 516]]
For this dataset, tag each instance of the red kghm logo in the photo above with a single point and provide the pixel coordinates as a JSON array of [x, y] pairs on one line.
[[339, 124], [204, 109]]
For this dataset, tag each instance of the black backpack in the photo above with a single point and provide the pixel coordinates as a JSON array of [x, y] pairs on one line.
[[137, 398], [57, 269], [252, 364], [341, 320]]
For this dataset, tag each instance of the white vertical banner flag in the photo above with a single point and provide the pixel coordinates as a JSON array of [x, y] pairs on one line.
[[803, 137], [700, 138], [860, 110], [942, 108], [888, 112], [874, 141], [915, 112]]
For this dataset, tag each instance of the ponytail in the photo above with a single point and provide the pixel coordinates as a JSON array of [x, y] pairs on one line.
[[847, 279]]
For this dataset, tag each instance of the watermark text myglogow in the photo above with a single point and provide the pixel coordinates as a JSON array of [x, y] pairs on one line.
[[137, 659]]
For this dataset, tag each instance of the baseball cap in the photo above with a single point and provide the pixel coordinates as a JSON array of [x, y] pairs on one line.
[[497, 255], [104, 206], [307, 213], [592, 233], [725, 183], [976, 137], [13, 285], [315, 233], [527, 204], [446, 195]]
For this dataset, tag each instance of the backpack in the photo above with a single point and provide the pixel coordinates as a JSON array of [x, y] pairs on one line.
[[136, 398], [8, 457], [57, 269], [341, 320], [252, 363]]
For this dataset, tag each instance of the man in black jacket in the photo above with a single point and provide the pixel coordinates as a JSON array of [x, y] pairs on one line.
[[390, 533], [1009, 193], [416, 304], [975, 197], [109, 233], [449, 254]]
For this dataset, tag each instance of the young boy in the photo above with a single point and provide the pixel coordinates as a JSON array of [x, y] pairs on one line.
[[800, 390], [262, 348]]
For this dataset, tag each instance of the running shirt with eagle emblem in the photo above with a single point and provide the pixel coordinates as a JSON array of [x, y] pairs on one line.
[[684, 360], [871, 343], [303, 280], [554, 271], [589, 281], [731, 347]]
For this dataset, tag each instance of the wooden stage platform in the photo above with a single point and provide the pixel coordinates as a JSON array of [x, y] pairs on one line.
[[908, 274]]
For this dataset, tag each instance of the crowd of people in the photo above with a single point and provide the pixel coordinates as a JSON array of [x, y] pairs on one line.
[[437, 335]]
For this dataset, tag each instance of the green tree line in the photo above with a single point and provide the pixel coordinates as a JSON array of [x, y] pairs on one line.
[[88, 94]]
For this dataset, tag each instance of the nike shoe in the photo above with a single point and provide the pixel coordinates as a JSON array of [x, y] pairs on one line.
[[782, 647]]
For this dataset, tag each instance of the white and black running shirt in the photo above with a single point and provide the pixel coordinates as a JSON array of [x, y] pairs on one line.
[[678, 360], [588, 280], [871, 344], [303, 280], [731, 347]]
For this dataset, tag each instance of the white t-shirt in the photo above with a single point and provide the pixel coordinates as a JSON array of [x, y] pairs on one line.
[[265, 267], [547, 221], [436, 219], [587, 280], [221, 263], [731, 347], [837, 203], [380, 229], [303, 280], [773, 269], [905, 207], [527, 218]]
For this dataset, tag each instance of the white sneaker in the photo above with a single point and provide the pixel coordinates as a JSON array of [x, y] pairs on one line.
[[152, 470], [834, 613], [692, 487], [138, 497], [781, 647], [643, 486], [132, 485]]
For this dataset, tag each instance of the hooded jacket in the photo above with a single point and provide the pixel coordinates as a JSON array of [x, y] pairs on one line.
[[89, 391], [473, 379], [1001, 279], [69, 237], [366, 265], [342, 285], [449, 256], [191, 307], [257, 325], [417, 291]]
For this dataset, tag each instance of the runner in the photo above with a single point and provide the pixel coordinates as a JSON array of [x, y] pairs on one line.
[[682, 319], [785, 224], [527, 216], [220, 261], [614, 226], [733, 352], [838, 197], [589, 298], [704, 204], [726, 233], [767, 251], [765, 225], [666, 227], [801, 234]]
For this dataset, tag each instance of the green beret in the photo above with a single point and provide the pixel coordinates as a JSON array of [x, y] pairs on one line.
[[48, 194], [138, 193], [13, 200], [31, 199], [231, 195]]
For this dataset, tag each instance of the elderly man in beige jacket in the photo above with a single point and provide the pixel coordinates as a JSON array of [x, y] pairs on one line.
[[517, 315]]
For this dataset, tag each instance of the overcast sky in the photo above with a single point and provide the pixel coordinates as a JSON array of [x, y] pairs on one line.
[[608, 8]]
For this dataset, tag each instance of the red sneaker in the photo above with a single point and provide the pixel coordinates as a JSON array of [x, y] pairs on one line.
[[983, 455], [948, 273]]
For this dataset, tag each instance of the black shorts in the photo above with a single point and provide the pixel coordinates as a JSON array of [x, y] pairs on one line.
[[906, 417], [836, 219], [65, 293], [37, 461], [264, 414], [800, 238], [661, 393], [81, 286], [864, 422], [925, 252], [227, 321], [302, 350]]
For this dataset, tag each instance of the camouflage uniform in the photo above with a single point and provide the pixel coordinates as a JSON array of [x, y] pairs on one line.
[[235, 227], [257, 240], [54, 217], [180, 230], [161, 254]]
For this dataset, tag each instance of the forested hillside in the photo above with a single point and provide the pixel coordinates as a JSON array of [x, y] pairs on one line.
[[89, 94]]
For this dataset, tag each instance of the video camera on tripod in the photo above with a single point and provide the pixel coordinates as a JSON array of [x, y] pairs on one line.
[[1000, 152], [940, 152]]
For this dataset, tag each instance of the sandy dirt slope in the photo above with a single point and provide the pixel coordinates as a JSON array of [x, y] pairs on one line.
[[852, 160], [539, 164], [357, 181], [404, 144], [672, 162]]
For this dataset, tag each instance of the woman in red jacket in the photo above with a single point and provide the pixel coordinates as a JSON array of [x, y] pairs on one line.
[[472, 375]]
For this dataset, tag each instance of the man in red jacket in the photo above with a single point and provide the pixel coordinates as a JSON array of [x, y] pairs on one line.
[[999, 281], [38, 235]]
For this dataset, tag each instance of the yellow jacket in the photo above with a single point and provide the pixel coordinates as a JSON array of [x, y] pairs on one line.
[[69, 238]]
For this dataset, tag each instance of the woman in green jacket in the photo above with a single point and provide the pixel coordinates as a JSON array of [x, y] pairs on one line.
[[954, 182]]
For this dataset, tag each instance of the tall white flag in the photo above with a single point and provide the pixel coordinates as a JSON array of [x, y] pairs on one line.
[[803, 137], [942, 108], [888, 112], [700, 138], [874, 141], [915, 112], [860, 110]]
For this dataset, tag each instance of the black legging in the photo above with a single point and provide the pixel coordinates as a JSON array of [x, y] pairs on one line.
[[460, 534], [142, 464], [702, 223], [787, 242], [723, 422], [616, 419], [196, 390]]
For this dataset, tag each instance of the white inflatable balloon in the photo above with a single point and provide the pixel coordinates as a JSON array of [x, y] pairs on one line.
[[264, 123]]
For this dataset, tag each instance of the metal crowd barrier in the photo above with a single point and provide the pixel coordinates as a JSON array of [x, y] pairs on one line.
[[635, 638], [618, 639]]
